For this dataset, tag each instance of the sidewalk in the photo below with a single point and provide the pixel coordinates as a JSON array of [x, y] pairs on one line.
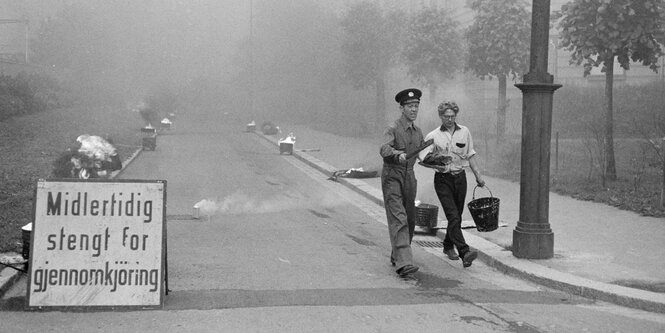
[[600, 252]]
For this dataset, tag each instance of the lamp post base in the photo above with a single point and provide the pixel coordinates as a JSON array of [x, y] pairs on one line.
[[533, 245]]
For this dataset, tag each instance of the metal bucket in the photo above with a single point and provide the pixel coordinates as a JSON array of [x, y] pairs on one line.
[[426, 215], [149, 143], [286, 148], [26, 232], [484, 211], [196, 212]]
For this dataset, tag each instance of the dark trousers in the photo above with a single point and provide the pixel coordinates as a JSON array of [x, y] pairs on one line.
[[451, 190], [399, 194]]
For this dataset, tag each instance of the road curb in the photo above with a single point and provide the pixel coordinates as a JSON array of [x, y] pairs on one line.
[[8, 276], [503, 260]]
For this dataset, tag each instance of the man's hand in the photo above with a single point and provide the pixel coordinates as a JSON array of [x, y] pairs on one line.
[[480, 181], [401, 157]]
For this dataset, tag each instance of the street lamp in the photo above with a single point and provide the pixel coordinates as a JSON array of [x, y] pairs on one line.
[[532, 237], [251, 59]]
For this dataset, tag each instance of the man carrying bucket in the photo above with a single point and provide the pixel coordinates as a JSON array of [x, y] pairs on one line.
[[450, 154]]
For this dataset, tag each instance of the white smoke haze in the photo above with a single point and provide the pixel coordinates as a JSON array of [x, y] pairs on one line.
[[241, 203]]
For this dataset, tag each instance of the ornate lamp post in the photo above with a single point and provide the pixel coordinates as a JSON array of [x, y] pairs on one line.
[[251, 59], [532, 237]]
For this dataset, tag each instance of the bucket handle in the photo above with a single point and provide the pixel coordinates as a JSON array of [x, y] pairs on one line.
[[474, 191]]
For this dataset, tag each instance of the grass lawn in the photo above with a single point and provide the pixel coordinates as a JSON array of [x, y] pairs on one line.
[[30, 144], [575, 174]]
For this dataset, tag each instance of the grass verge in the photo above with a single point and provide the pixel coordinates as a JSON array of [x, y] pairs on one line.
[[30, 144]]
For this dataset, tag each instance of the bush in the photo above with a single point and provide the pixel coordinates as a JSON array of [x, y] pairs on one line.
[[163, 100], [27, 93], [10, 106], [150, 116], [63, 165]]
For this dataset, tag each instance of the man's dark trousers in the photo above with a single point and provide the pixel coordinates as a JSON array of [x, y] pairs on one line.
[[451, 190], [399, 188]]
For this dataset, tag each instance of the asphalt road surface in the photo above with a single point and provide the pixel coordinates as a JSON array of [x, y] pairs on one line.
[[283, 249]]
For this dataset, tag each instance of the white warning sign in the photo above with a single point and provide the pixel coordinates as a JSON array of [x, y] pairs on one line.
[[98, 244]]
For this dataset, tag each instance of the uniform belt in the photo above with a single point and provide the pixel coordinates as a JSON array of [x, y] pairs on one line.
[[452, 173], [398, 166]]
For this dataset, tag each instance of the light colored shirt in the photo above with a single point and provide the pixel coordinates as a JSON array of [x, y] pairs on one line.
[[457, 144]]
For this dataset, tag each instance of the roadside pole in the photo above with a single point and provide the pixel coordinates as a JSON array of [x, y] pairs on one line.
[[532, 237]]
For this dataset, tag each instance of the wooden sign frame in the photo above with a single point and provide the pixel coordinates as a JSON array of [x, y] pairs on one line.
[[98, 245]]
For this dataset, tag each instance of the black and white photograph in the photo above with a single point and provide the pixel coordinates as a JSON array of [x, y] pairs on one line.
[[332, 166]]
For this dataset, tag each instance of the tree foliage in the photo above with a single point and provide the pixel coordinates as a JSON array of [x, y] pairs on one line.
[[371, 42], [370, 47], [290, 44], [597, 30], [433, 47], [499, 38], [119, 49], [75, 40], [498, 42]]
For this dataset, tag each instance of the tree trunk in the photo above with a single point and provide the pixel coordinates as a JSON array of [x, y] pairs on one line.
[[432, 96], [501, 109], [333, 102], [610, 164], [333, 94], [380, 103], [662, 184]]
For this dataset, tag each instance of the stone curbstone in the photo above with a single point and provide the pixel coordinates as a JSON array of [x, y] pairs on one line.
[[504, 261]]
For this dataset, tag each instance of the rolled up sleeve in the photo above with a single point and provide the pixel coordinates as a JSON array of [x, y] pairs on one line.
[[469, 143]]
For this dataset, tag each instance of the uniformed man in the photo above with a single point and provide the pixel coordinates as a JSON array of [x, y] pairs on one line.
[[398, 181]]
